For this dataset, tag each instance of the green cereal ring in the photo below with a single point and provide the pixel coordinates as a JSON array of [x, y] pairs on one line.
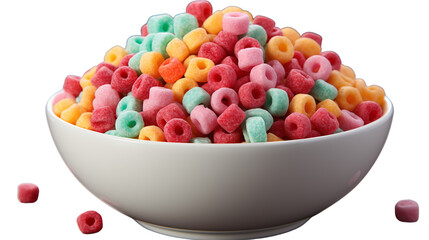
[[194, 97], [200, 140], [160, 23], [147, 43], [323, 90], [129, 103], [339, 130], [160, 41], [255, 127], [134, 62], [113, 133], [78, 98], [184, 23], [259, 112], [276, 102], [129, 123], [257, 32], [133, 44]]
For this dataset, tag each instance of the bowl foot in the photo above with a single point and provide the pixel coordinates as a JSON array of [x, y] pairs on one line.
[[223, 235]]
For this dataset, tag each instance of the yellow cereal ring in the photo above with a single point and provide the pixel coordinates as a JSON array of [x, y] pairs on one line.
[[62, 105], [213, 24], [331, 106], [115, 55], [88, 95], [169, 85], [188, 59], [371, 93], [150, 62], [152, 133], [195, 38], [307, 46], [339, 80], [291, 33], [178, 49], [303, 103], [348, 98], [181, 86], [273, 138], [72, 114], [85, 81], [279, 48], [198, 69], [348, 71], [237, 9], [84, 120]]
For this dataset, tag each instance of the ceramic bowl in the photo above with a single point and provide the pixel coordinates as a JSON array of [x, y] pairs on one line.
[[220, 191]]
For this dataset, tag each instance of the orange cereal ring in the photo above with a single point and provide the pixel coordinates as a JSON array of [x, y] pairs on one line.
[[303, 103], [171, 70], [88, 95], [86, 78], [150, 62], [152, 133], [195, 38], [371, 93], [62, 105], [331, 106], [307, 46], [72, 114], [348, 98], [213, 24], [291, 33], [188, 59], [181, 86], [178, 49], [348, 71], [279, 48], [339, 80], [271, 137], [84, 120], [198, 69], [115, 55]]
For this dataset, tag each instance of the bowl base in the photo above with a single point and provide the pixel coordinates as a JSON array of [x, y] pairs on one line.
[[223, 235]]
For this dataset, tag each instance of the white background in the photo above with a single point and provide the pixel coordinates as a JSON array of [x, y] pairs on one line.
[[385, 42]]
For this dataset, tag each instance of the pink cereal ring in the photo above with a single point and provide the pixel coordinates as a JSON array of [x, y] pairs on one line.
[[318, 67], [369, 111], [297, 126], [348, 120], [178, 130], [62, 95], [204, 119], [235, 22], [264, 75], [250, 57], [106, 96], [333, 58], [222, 98], [159, 97], [280, 70]]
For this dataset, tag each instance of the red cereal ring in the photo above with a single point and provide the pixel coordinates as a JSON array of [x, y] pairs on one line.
[[251, 95], [178, 130], [90, 222]]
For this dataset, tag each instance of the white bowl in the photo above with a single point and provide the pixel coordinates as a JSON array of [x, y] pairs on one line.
[[220, 191]]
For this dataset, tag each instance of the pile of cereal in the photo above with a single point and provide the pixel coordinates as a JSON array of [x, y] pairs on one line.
[[219, 77]]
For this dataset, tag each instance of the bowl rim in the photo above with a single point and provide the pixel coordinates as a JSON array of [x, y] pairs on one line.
[[387, 114]]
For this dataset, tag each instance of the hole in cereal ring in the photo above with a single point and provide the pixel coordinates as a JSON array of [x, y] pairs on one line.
[[165, 27], [124, 74], [269, 75], [315, 68], [282, 47], [131, 124], [178, 130], [123, 107], [90, 221], [112, 57], [201, 65], [138, 41], [226, 101], [217, 78], [293, 126], [256, 93], [350, 98], [308, 107]]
